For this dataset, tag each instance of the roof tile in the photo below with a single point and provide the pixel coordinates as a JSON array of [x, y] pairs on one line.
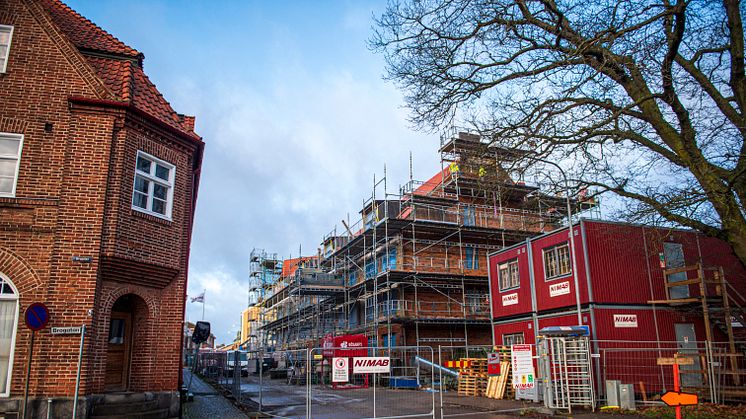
[[121, 70], [84, 33]]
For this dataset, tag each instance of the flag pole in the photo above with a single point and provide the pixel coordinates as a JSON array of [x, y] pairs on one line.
[[203, 303]]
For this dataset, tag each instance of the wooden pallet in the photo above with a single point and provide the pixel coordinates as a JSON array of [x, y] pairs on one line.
[[499, 386]]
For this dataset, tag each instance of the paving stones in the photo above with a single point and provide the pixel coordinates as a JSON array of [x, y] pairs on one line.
[[208, 402]]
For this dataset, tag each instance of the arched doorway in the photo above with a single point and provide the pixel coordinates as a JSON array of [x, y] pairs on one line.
[[128, 317]]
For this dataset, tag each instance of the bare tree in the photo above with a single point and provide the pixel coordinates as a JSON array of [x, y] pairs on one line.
[[645, 99]]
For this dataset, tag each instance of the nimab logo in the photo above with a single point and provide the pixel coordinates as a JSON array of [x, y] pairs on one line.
[[371, 364], [510, 299], [561, 288], [625, 320]]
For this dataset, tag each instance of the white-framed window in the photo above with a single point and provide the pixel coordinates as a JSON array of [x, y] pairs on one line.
[[10, 160], [153, 190], [508, 274], [6, 33], [557, 261], [8, 322], [513, 339]]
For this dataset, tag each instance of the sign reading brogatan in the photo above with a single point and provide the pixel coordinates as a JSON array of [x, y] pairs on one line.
[[371, 365]]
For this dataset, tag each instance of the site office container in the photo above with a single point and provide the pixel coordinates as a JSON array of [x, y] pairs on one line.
[[558, 291], [506, 331], [510, 301]]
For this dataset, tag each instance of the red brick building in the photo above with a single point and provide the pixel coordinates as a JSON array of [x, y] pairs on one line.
[[98, 182]]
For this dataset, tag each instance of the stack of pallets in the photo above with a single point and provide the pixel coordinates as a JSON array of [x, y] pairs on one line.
[[472, 377], [500, 386]]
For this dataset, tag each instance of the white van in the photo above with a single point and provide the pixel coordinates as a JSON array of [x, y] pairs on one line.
[[243, 361]]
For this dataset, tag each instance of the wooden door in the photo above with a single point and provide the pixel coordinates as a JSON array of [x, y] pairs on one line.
[[118, 351]]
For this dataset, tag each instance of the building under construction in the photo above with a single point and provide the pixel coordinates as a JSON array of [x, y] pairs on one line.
[[412, 270]]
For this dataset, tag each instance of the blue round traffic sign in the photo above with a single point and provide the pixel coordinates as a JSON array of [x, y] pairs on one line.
[[37, 316]]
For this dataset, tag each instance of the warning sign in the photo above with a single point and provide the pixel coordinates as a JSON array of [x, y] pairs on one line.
[[340, 370], [523, 366], [493, 363]]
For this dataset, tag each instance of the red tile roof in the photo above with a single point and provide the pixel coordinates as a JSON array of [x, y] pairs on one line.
[[289, 266], [84, 33], [433, 182], [118, 65]]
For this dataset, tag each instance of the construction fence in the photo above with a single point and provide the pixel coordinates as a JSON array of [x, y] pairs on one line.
[[473, 381]]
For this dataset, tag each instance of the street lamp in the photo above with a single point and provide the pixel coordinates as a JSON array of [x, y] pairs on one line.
[[570, 233]]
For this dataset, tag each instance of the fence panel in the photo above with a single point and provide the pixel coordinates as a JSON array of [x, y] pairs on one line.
[[404, 391], [463, 390], [728, 372], [636, 363]]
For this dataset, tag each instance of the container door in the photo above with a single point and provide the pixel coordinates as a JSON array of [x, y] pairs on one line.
[[674, 255], [687, 343]]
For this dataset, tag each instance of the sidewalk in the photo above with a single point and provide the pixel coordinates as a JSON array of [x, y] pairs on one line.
[[208, 402]]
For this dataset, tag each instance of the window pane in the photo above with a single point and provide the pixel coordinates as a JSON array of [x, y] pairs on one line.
[[159, 206], [162, 172], [7, 327], [8, 168], [9, 146], [140, 200], [4, 36], [143, 164], [7, 289], [3, 51], [159, 191], [6, 185], [116, 331], [141, 184]]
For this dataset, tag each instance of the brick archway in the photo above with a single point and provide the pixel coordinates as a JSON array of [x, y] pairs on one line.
[[144, 315], [21, 273]]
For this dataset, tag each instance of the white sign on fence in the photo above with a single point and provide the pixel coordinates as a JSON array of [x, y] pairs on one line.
[[625, 320], [340, 370], [523, 366], [371, 365], [510, 299], [561, 288], [72, 330]]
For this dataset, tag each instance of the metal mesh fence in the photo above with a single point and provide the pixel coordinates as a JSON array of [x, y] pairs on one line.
[[463, 380], [342, 382]]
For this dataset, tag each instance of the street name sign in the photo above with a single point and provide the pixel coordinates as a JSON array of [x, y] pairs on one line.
[[71, 330]]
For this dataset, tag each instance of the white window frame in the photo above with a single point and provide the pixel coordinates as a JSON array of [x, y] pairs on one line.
[[553, 252], [154, 179], [514, 282], [10, 41], [17, 157], [513, 336], [15, 297]]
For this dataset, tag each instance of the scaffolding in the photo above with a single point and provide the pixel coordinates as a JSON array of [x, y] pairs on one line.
[[412, 269], [265, 269]]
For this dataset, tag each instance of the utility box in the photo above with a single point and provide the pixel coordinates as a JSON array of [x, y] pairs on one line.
[[612, 392], [627, 397]]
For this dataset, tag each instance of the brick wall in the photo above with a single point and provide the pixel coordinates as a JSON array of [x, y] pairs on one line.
[[73, 198]]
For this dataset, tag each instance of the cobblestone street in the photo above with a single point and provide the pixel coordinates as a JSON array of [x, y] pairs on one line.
[[208, 402]]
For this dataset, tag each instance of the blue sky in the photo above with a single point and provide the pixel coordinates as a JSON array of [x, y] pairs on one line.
[[295, 115]]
